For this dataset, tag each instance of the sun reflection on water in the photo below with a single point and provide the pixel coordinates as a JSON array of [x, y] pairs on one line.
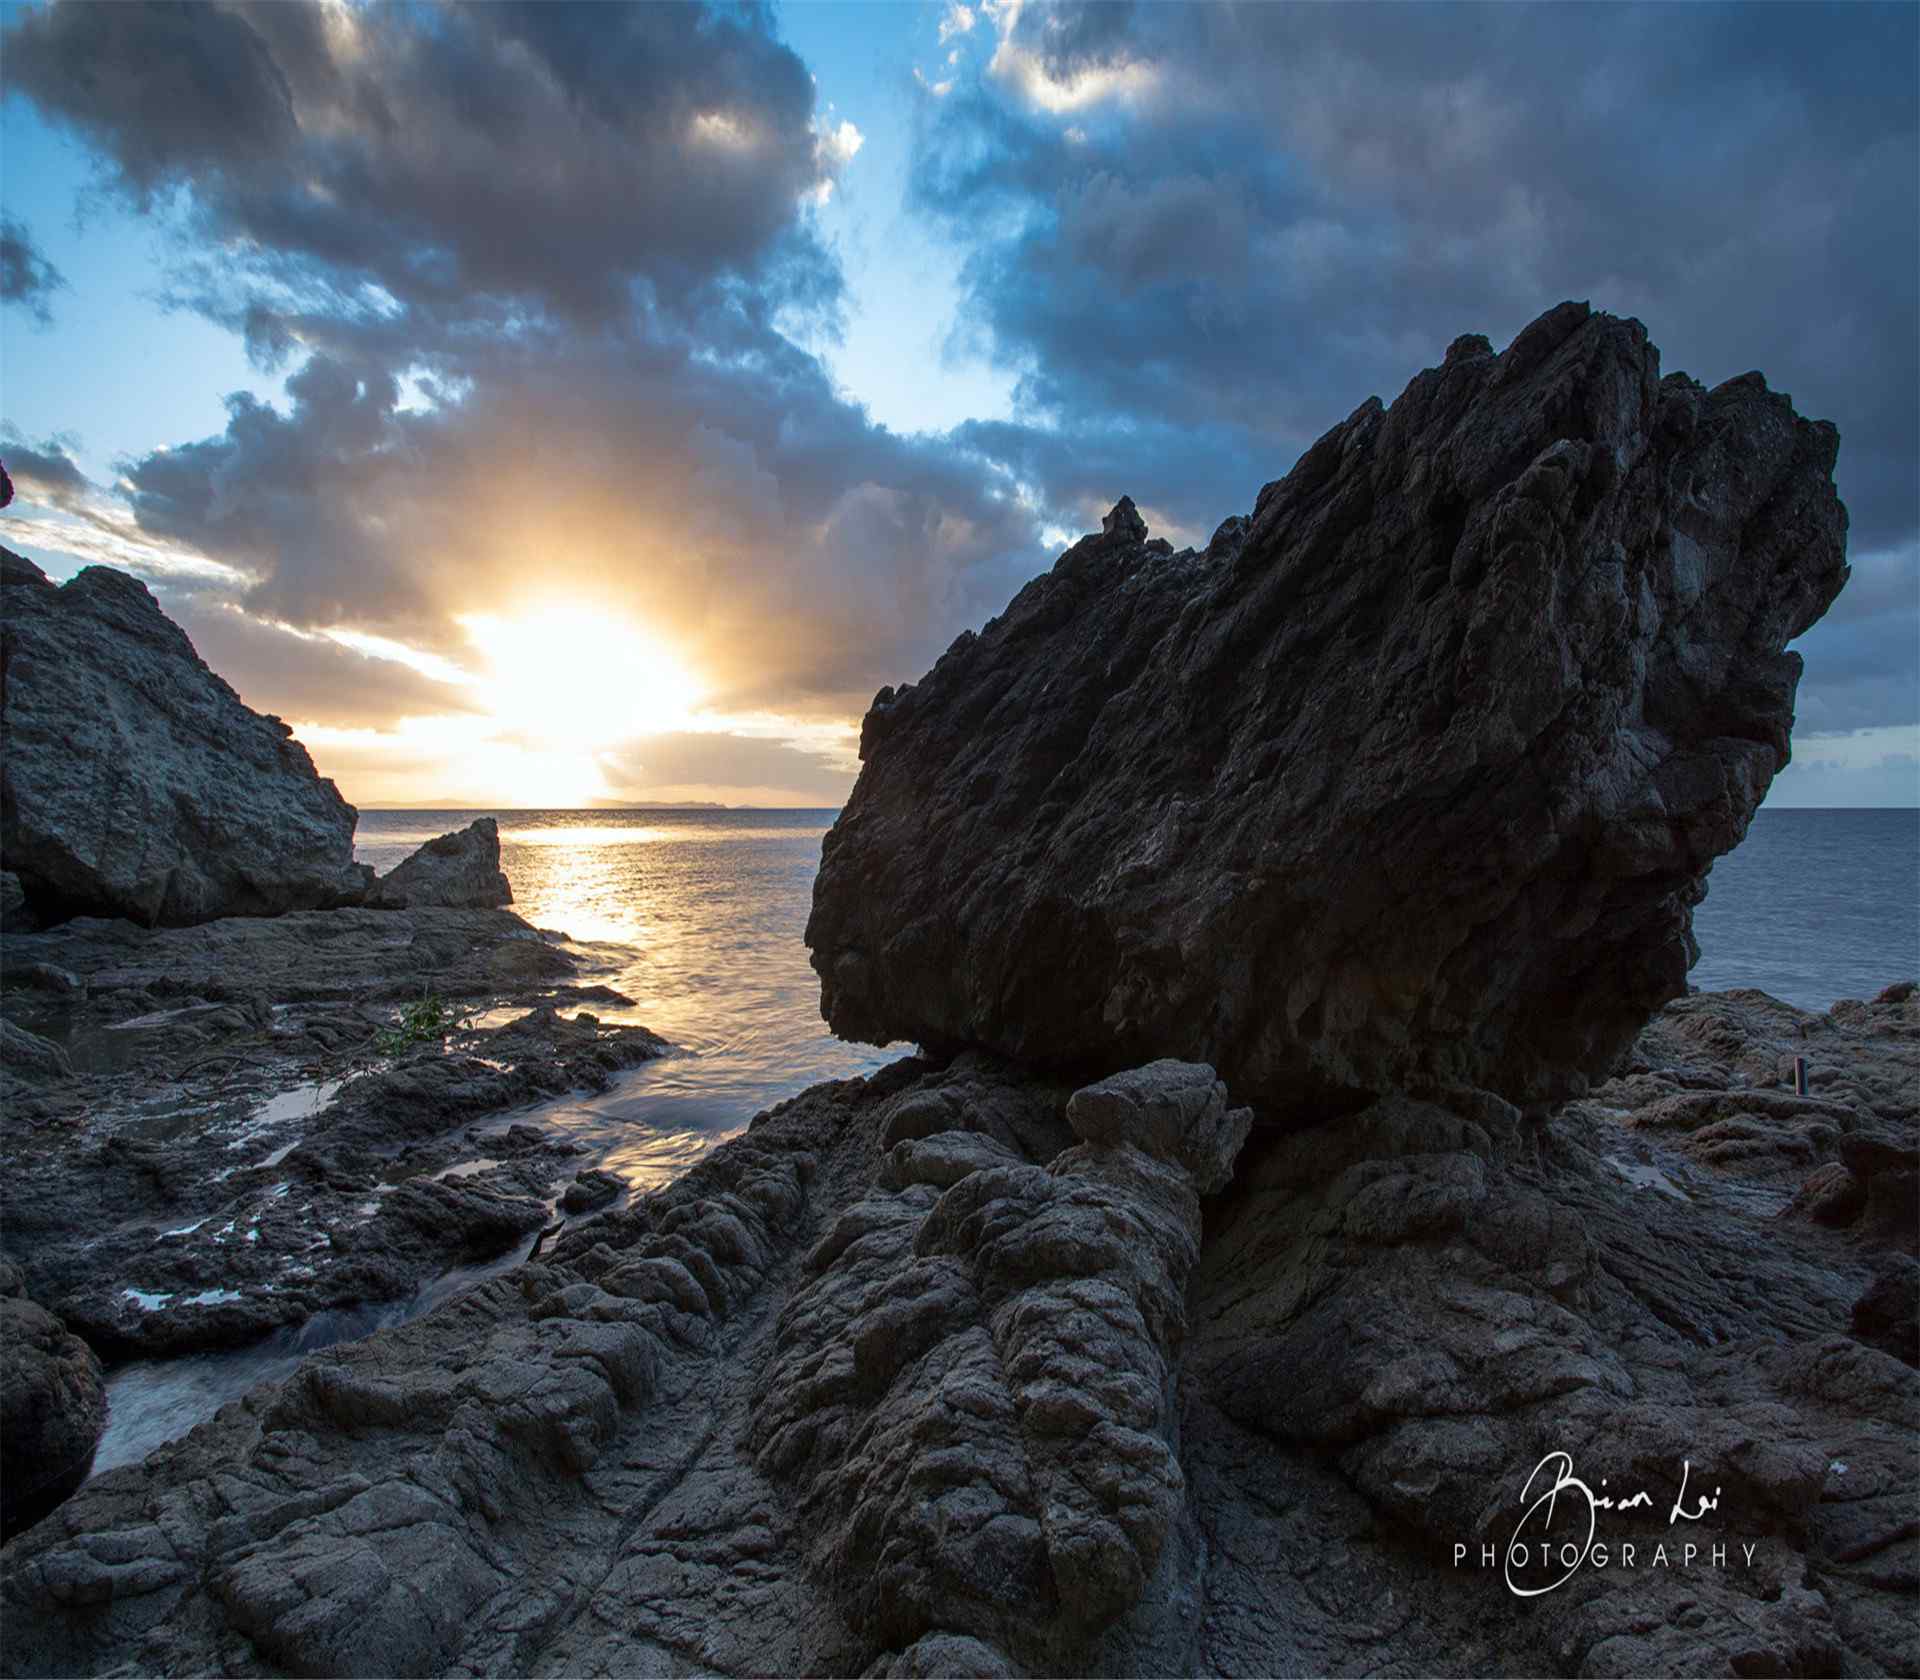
[[697, 916]]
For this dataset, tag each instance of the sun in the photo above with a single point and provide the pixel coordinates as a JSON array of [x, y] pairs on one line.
[[578, 676]]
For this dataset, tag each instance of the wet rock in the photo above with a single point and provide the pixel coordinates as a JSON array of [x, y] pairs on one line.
[[1410, 784], [591, 1190], [458, 871], [136, 784], [241, 1146], [53, 1406], [13, 900]]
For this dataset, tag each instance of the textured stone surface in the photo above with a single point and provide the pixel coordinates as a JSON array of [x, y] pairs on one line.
[[1408, 781], [237, 1137], [53, 1405], [458, 871], [809, 1411], [134, 782]]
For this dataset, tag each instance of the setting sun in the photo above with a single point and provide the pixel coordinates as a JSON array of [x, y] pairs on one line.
[[573, 674]]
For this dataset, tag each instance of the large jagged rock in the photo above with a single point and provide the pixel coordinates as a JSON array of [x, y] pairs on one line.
[[458, 871], [135, 783], [1410, 780]]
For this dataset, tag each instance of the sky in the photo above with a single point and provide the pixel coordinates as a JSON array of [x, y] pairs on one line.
[[541, 404]]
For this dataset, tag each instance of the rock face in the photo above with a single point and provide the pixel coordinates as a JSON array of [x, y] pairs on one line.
[[1410, 780], [53, 1405], [134, 781], [952, 1371], [458, 871]]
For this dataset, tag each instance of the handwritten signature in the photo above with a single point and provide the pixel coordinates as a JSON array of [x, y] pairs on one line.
[[1555, 1475]]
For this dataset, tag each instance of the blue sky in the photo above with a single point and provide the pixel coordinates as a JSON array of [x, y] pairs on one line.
[[432, 363]]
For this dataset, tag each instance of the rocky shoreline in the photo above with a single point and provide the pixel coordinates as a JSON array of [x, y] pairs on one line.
[[351, 1162], [952, 1370], [1319, 1234]]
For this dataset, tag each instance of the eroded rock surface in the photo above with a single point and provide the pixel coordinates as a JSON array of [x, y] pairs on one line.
[[458, 871], [53, 1405], [224, 1129], [956, 1371], [1410, 780], [133, 780]]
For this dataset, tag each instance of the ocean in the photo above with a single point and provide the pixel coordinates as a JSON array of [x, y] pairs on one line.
[[1814, 906]]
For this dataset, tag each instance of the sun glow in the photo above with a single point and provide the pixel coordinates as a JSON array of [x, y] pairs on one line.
[[574, 676]]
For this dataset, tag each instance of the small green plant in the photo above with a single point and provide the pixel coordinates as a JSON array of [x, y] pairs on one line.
[[424, 1021]]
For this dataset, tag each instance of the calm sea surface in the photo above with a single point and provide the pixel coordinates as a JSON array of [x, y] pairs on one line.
[[698, 916], [1814, 906], [695, 915]]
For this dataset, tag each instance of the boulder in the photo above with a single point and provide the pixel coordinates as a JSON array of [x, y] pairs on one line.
[[135, 783], [591, 1190], [1411, 780], [458, 871], [30, 1057], [53, 1406]]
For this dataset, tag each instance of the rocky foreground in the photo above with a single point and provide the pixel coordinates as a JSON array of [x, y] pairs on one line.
[[959, 1371], [237, 1135]]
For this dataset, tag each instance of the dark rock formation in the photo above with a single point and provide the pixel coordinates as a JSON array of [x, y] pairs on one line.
[[458, 871], [53, 1405], [134, 782], [1409, 781], [591, 1190], [944, 1372], [208, 1165]]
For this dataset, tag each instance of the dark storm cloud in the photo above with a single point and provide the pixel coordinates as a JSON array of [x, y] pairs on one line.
[[47, 473], [1861, 664], [26, 277], [1322, 197], [564, 156]]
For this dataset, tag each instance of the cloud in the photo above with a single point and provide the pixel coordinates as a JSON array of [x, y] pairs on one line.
[[47, 473], [27, 278], [956, 20], [1851, 769], [502, 163], [295, 675], [655, 766], [1294, 208], [795, 555], [536, 269], [541, 274]]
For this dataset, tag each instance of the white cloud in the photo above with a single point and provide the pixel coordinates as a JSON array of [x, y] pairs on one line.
[[959, 20], [1851, 769]]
